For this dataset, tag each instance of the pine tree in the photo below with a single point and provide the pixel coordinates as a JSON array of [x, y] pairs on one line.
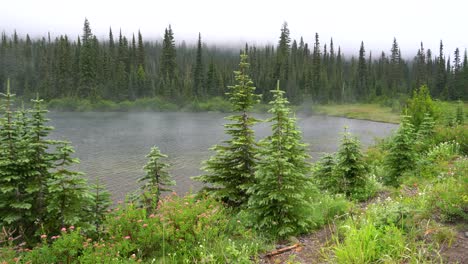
[[87, 62], [278, 199], [362, 89], [441, 75], [198, 73], [324, 175], [316, 68], [67, 191], [99, 204], [12, 208], [42, 160], [350, 167], [282, 54], [402, 156], [231, 170], [156, 179]]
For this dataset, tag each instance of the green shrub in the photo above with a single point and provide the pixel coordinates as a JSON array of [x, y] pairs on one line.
[[458, 134], [448, 197], [369, 244]]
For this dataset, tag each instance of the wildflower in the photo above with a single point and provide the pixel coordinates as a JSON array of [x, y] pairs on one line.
[[133, 256], [54, 237], [72, 228], [238, 221], [151, 216], [63, 229], [127, 237], [145, 225], [43, 236], [139, 221]]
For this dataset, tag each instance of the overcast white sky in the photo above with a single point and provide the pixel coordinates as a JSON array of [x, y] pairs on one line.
[[375, 22]]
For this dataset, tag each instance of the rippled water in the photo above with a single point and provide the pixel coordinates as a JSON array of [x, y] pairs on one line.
[[112, 146]]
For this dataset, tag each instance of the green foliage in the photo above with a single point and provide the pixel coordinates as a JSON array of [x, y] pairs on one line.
[[98, 206], [278, 198], [324, 176], [402, 154], [156, 179], [457, 134], [460, 115], [369, 244], [67, 192], [231, 170], [183, 230], [419, 105], [448, 197], [38, 191], [155, 104], [351, 170]]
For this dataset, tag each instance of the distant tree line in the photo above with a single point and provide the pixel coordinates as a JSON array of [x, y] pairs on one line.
[[121, 68]]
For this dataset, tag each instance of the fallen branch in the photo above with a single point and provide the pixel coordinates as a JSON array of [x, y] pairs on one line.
[[281, 250]]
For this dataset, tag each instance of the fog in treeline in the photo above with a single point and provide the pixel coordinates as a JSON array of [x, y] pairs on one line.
[[129, 67]]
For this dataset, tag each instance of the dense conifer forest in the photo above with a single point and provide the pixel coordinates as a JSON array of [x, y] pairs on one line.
[[402, 200], [123, 68]]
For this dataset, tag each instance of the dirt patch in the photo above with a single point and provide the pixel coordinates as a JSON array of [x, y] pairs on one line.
[[310, 250], [458, 252]]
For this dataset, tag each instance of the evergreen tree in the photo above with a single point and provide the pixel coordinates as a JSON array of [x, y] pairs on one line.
[[87, 62], [13, 209], [316, 68], [156, 179], [100, 202], [282, 54], [198, 74], [324, 176], [278, 199], [42, 160], [441, 76], [350, 167], [231, 170], [67, 192], [402, 155], [362, 90]]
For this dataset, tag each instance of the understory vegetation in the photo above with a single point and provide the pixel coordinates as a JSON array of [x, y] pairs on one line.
[[403, 200]]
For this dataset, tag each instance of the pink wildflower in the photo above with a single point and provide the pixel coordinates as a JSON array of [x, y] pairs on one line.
[[63, 229], [43, 236], [145, 225], [151, 216], [72, 228], [127, 237]]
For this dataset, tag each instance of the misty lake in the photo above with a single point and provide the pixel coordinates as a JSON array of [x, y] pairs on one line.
[[112, 146]]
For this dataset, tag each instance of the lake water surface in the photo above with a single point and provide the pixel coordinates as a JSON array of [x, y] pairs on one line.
[[112, 146]]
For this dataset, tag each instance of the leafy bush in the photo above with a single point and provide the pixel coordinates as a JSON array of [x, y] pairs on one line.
[[419, 105], [184, 230], [368, 244], [458, 134], [448, 197]]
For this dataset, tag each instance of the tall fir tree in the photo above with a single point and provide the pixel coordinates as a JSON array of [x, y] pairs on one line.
[[198, 73], [230, 172], [278, 200], [402, 155]]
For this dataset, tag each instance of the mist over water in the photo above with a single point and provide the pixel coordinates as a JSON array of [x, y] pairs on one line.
[[113, 146]]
